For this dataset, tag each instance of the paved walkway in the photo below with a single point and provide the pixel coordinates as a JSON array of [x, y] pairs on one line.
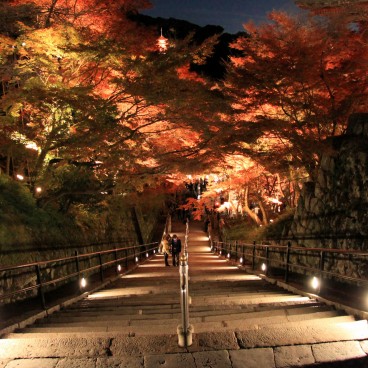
[[239, 321]]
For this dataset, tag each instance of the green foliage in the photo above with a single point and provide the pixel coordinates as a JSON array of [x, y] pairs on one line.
[[242, 229], [246, 231], [279, 227], [15, 197], [23, 223]]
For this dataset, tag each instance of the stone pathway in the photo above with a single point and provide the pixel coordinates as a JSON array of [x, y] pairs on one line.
[[239, 320]]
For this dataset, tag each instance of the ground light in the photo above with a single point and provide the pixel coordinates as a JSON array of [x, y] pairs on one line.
[[147, 255], [315, 283], [228, 255], [154, 251], [264, 267], [136, 259], [119, 268], [241, 260], [83, 282]]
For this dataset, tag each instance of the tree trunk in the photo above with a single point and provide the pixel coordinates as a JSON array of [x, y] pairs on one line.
[[50, 12], [264, 214], [249, 212], [8, 160], [137, 227]]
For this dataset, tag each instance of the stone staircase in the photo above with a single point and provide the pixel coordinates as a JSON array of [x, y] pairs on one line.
[[239, 320]]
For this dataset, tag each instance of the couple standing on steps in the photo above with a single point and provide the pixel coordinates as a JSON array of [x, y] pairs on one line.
[[173, 246]]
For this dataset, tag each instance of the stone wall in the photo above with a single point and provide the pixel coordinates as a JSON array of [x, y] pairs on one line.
[[22, 278], [335, 206], [333, 211]]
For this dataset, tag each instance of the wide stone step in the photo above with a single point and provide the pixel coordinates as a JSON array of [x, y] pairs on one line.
[[230, 290], [251, 335], [108, 318], [297, 334], [202, 314], [274, 322], [261, 299], [122, 308], [235, 316], [169, 326], [264, 301]]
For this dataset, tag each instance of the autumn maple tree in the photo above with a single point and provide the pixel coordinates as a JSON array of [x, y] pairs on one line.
[[295, 85], [85, 92]]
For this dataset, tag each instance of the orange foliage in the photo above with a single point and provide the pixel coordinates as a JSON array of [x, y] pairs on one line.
[[299, 81]]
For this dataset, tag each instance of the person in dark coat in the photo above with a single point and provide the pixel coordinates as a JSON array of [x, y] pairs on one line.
[[175, 249]]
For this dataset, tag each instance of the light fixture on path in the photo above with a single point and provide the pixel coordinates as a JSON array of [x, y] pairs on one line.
[[315, 283]]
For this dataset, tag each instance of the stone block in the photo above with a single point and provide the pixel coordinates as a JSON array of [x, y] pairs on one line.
[[357, 124], [364, 345], [143, 345], [252, 358], [214, 341], [120, 362], [294, 356], [4, 362], [183, 360], [302, 334], [327, 163], [55, 347], [337, 351], [76, 363], [213, 359], [33, 363]]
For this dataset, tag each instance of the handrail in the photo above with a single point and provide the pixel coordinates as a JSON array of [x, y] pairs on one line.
[[314, 262], [7, 268], [185, 330], [81, 269], [327, 250]]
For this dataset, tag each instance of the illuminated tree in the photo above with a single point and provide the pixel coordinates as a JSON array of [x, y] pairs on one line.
[[295, 85], [82, 91], [63, 94]]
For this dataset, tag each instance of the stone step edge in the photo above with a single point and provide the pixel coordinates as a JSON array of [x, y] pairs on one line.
[[211, 326], [55, 308], [164, 318], [304, 309], [121, 344], [361, 314]]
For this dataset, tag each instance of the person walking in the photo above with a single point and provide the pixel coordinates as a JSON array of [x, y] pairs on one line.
[[165, 246], [175, 249]]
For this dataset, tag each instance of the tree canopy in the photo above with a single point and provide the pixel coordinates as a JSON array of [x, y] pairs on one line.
[[90, 107]]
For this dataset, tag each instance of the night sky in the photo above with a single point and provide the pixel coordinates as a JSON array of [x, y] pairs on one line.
[[230, 14]]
